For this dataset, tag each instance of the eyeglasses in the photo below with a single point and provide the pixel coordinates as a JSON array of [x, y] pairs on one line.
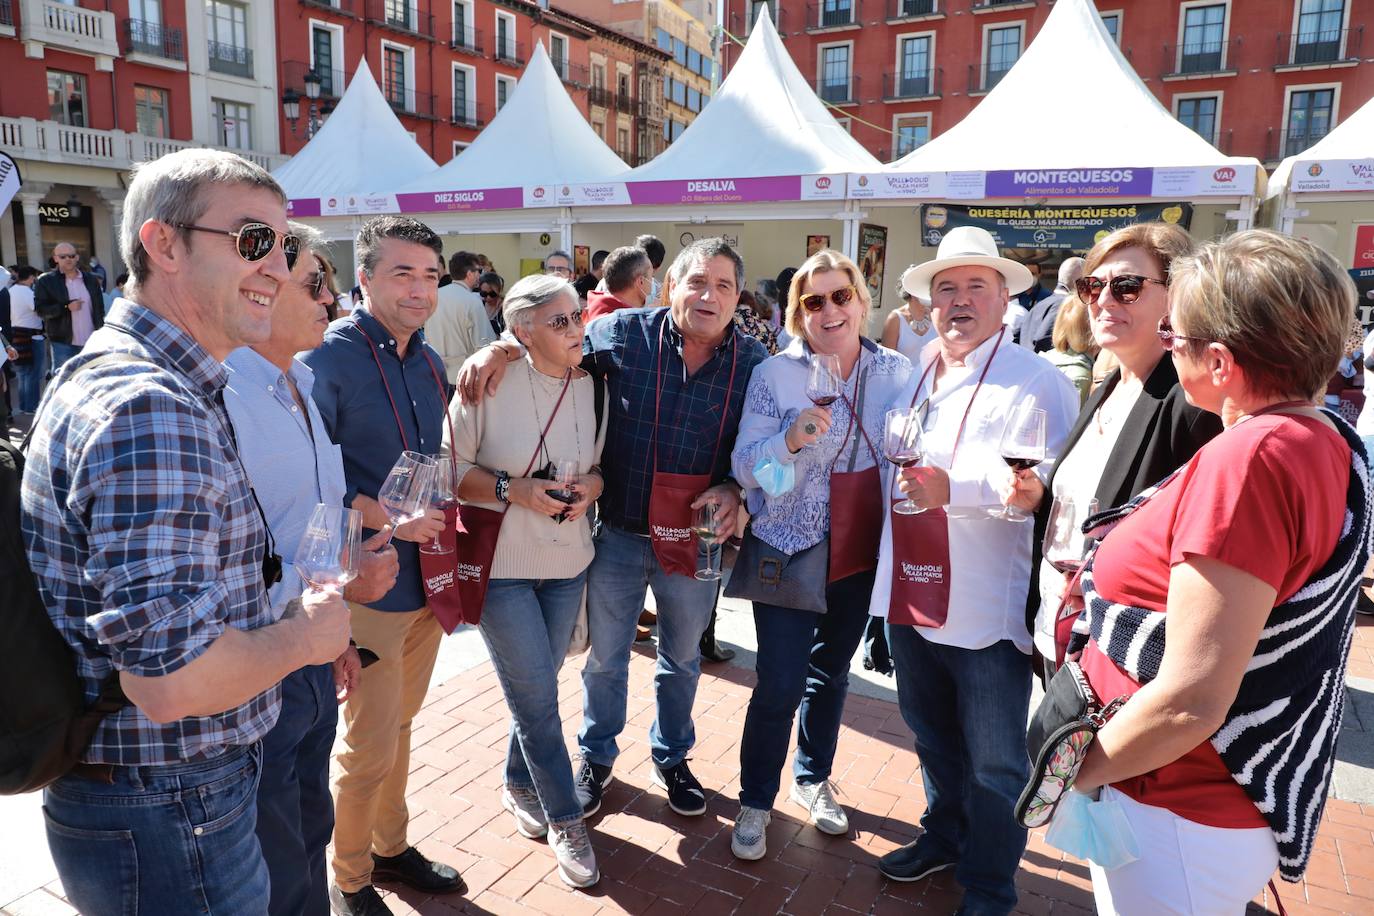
[[1125, 288], [63, 257], [255, 241], [314, 284], [560, 322], [1169, 339], [489, 294], [814, 302], [560, 271]]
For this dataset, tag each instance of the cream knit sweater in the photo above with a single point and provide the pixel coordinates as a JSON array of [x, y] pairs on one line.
[[500, 434]]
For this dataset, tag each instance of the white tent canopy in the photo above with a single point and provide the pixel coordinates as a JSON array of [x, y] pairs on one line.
[[1129, 143], [361, 149], [1345, 159], [539, 138]]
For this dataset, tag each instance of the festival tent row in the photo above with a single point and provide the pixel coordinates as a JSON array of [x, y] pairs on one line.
[[1326, 195], [1124, 158]]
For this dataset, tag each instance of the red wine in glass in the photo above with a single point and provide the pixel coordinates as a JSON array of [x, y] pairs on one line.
[[823, 379], [1019, 463], [1067, 567], [824, 400]]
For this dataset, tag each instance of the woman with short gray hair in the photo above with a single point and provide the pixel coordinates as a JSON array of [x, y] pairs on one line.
[[532, 450]]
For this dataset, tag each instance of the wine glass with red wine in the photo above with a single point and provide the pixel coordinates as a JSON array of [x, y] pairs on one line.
[[902, 446], [1022, 447], [823, 382], [1065, 542]]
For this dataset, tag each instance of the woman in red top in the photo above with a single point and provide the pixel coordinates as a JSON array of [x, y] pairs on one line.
[[1221, 757]]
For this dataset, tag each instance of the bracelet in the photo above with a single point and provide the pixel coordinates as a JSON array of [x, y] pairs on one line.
[[503, 487]]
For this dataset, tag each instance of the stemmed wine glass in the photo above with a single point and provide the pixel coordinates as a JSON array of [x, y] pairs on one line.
[[443, 495], [706, 526], [1022, 448], [327, 557], [824, 382], [565, 475], [902, 446], [1065, 542], [405, 492]]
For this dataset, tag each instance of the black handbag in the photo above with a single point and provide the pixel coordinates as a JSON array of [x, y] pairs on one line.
[[766, 574], [1060, 733]]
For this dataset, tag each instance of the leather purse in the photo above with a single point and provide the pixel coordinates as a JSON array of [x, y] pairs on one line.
[[766, 574]]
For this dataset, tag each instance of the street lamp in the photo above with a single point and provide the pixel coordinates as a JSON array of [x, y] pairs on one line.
[[291, 106]]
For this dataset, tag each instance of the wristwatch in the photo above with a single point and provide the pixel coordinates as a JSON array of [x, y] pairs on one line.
[[503, 487]]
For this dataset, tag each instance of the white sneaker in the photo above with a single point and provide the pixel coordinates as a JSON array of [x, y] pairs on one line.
[[523, 803], [750, 840], [573, 850], [819, 800]]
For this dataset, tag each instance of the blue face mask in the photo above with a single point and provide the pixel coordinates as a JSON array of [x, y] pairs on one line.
[[1094, 830], [774, 477]]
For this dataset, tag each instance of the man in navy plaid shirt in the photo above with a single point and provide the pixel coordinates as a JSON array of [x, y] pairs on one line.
[[151, 556]]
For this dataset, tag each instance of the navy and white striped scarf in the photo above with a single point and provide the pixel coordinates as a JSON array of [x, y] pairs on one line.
[[1279, 738]]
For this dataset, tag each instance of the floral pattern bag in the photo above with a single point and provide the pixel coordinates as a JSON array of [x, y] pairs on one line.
[[1058, 739]]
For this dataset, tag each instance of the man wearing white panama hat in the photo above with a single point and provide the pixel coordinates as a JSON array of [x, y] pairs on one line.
[[951, 580]]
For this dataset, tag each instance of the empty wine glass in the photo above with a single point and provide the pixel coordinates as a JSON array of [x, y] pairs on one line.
[[1065, 542], [823, 381], [1022, 447], [902, 446], [706, 526], [443, 495], [404, 495], [327, 557]]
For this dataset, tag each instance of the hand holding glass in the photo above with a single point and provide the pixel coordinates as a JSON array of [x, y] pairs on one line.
[[443, 496], [327, 557], [902, 446], [706, 526], [405, 492], [1022, 447], [823, 382]]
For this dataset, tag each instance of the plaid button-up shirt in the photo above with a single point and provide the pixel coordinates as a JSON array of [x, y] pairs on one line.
[[623, 348], [141, 530]]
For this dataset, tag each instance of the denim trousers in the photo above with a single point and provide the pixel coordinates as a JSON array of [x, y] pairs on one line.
[[803, 660], [967, 708], [62, 352], [161, 840], [624, 568], [30, 377], [295, 812], [527, 625]]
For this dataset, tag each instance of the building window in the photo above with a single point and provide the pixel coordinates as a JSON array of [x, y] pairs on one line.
[[322, 48], [835, 73], [678, 128], [1319, 31], [1204, 39], [693, 99], [1004, 48], [846, 124], [398, 13], [463, 35], [680, 51], [233, 123], [836, 12], [694, 60], [756, 9], [145, 26], [459, 146], [67, 98], [622, 142], [394, 76], [1113, 23], [663, 40], [464, 104], [914, 77], [915, 7], [558, 51], [623, 84], [910, 132], [1310, 113], [505, 38], [1199, 113], [504, 87], [227, 33], [150, 112]]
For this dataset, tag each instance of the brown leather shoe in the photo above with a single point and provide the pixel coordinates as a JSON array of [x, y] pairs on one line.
[[648, 618], [642, 634]]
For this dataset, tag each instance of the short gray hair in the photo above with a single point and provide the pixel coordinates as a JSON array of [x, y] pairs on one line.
[[312, 239], [171, 190], [530, 293], [1070, 272], [701, 251], [560, 253]]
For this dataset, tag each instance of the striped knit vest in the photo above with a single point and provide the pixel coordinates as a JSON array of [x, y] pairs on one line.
[[1279, 738]]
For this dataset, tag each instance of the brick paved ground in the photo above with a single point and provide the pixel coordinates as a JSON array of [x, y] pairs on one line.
[[655, 862]]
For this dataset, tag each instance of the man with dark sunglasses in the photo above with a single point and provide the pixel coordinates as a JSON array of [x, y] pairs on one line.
[[71, 303], [154, 561]]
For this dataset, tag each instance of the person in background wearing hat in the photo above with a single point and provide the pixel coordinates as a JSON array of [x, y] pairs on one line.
[[958, 633]]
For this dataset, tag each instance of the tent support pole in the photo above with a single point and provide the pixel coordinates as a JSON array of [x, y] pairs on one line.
[[851, 218], [565, 233], [1245, 216]]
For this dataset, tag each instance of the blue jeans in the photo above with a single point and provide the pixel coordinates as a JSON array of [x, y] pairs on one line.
[[62, 352], [625, 566], [31, 377], [527, 625], [803, 658], [162, 840], [967, 708], [295, 812]]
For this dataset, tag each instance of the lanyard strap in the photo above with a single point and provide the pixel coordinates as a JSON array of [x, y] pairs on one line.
[[855, 418], [443, 395], [979, 387], [658, 393], [567, 382]]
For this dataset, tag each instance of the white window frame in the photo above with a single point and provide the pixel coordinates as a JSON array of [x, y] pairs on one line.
[[219, 121], [897, 54], [930, 127], [1310, 87], [1217, 94], [336, 41], [987, 46], [567, 53], [471, 113], [514, 39], [1345, 27], [846, 123], [1120, 22], [409, 53], [1225, 31], [510, 89], [459, 146], [820, 68], [470, 17]]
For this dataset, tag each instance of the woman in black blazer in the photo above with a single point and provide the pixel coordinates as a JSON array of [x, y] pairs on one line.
[[1138, 426]]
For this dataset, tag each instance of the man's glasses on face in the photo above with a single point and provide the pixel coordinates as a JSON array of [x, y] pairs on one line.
[[558, 270]]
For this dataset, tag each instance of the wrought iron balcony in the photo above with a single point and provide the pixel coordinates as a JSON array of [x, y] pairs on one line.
[[908, 9], [230, 59], [838, 92], [342, 7], [154, 40], [467, 40], [467, 113], [332, 82], [600, 96], [907, 84], [510, 52], [832, 14], [401, 17], [410, 102], [984, 78], [1285, 143], [1201, 58], [1306, 49], [6, 13]]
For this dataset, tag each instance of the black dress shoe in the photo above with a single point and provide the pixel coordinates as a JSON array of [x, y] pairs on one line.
[[415, 871], [363, 902], [713, 651]]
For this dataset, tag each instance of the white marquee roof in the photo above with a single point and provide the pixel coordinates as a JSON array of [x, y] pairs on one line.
[[362, 147]]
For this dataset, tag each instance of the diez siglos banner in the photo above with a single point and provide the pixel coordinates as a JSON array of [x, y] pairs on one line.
[[1076, 228]]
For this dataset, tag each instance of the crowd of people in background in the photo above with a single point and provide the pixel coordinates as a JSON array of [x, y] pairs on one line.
[[606, 435]]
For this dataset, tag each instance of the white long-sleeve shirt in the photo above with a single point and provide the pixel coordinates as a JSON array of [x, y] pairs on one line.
[[989, 558], [458, 328]]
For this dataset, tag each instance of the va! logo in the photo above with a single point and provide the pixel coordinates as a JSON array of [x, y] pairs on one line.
[[538, 193], [822, 183], [1225, 175]]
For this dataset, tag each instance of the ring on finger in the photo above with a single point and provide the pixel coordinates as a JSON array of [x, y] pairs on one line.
[[810, 429]]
